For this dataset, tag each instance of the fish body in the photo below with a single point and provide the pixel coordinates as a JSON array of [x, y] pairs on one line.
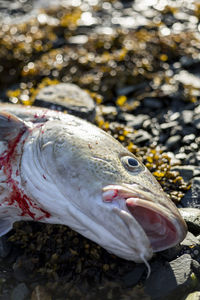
[[57, 168]]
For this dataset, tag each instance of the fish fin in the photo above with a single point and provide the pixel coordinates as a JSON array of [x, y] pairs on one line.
[[10, 126], [5, 226]]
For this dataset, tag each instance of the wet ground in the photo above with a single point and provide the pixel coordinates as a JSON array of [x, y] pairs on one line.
[[139, 61]]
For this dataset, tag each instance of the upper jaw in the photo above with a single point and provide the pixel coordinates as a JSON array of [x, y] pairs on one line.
[[158, 217]]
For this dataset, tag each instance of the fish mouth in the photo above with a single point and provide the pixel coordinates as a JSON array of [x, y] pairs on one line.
[[162, 224]]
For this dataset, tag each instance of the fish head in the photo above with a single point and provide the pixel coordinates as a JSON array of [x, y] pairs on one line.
[[114, 199]]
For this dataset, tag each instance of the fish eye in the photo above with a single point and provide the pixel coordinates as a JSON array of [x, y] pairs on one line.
[[130, 163]]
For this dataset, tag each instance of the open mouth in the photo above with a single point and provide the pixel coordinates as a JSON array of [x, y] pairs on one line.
[[163, 228]]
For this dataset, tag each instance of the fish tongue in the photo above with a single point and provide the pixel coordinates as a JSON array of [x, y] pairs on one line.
[[161, 232]]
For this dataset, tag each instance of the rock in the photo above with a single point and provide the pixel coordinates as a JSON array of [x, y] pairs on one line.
[[131, 278], [153, 103], [67, 96], [133, 121], [141, 137], [172, 280], [187, 116], [188, 139], [172, 141], [168, 125], [187, 172], [193, 296], [20, 292], [192, 218], [190, 240], [192, 197], [5, 247], [40, 293], [196, 122]]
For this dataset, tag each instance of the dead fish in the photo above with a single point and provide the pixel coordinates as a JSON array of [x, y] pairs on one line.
[[57, 168]]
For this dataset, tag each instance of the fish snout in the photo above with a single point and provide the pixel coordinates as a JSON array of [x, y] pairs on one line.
[[162, 224]]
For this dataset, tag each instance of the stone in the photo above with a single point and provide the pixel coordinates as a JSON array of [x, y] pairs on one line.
[[133, 121], [40, 293], [172, 142], [131, 278], [192, 196], [141, 137], [20, 292], [193, 296], [196, 122], [188, 139], [187, 116], [172, 280], [190, 240], [192, 218], [69, 97]]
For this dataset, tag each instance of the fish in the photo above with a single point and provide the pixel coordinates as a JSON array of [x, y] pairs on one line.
[[57, 168]]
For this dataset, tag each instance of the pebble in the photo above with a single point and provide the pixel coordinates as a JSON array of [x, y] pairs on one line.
[[192, 197], [190, 239], [172, 141], [193, 296], [187, 116], [172, 280], [192, 218], [20, 292], [141, 137], [134, 121], [69, 97], [196, 122]]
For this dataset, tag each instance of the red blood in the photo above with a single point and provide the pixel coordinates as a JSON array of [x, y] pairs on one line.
[[17, 196]]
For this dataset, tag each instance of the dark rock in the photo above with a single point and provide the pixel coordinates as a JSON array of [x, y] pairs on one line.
[[130, 279], [192, 197], [20, 292], [172, 280], [67, 96], [153, 103], [192, 218], [187, 172], [5, 247], [171, 253], [126, 90], [172, 142]]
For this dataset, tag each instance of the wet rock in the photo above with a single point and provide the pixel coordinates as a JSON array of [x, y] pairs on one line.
[[172, 280], [69, 97], [172, 141], [22, 268], [5, 247], [193, 296], [20, 292], [192, 197], [192, 218], [130, 279]]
